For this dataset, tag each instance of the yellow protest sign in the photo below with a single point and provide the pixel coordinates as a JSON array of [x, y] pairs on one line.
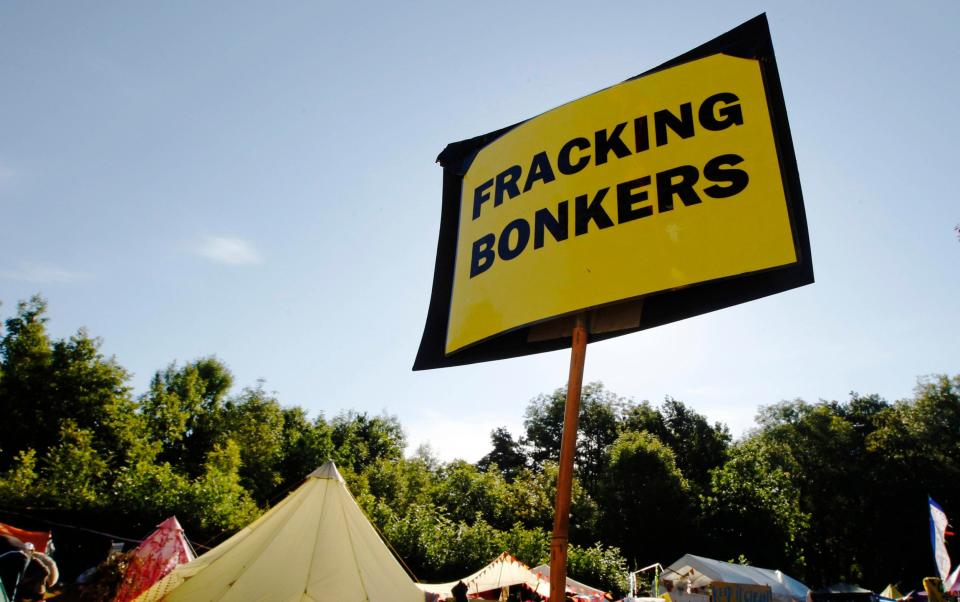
[[653, 184], [677, 187]]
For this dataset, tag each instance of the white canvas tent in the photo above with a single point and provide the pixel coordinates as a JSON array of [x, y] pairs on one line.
[[504, 571], [701, 572], [314, 546]]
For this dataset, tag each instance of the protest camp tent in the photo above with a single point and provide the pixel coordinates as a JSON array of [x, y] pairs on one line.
[[503, 571], [701, 572], [157, 555], [891, 592], [843, 592], [580, 591], [314, 546]]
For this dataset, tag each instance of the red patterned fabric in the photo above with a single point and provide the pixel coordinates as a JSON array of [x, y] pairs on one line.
[[154, 558], [39, 539]]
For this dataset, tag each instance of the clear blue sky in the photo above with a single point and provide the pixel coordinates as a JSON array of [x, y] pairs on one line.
[[257, 181]]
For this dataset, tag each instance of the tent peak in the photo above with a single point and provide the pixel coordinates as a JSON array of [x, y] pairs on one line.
[[328, 470], [170, 523]]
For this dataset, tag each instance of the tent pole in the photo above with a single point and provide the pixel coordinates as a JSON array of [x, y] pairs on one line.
[[568, 447]]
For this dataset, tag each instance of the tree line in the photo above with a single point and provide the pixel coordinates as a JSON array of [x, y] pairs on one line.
[[826, 491]]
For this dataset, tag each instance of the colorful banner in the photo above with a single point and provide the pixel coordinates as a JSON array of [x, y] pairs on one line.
[[740, 592]]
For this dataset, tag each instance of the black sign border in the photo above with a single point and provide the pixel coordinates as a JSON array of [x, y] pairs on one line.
[[749, 40]]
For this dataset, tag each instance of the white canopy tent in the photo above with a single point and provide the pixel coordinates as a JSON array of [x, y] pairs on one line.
[[504, 571], [701, 572]]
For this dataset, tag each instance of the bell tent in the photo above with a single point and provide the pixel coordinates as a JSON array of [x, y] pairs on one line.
[[314, 546]]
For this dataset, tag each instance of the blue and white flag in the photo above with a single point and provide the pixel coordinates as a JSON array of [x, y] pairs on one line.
[[938, 528]]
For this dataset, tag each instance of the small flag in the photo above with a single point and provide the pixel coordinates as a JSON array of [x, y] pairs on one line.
[[938, 528]]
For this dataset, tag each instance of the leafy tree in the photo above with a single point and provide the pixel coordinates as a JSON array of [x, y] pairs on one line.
[[755, 492], [822, 489], [533, 493], [698, 446], [145, 491], [73, 471], [467, 493], [403, 483], [255, 422], [643, 417], [19, 479], [184, 409], [817, 442], [507, 454], [912, 453], [531, 546], [217, 501], [359, 440], [46, 383], [25, 359], [651, 500], [91, 392], [599, 566], [600, 411], [306, 445]]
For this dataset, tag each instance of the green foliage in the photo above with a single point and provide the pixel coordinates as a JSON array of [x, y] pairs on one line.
[[466, 492], [755, 491], [821, 490], [73, 472], [25, 360], [148, 489], [46, 382], [306, 445], [254, 421], [217, 500], [438, 548], [404, 482], [598, 566], [532, 495], [698, 447], [653, 501], [19, 478], [531, 546], [359, 439], [91, 392], [600, 411], [184, 408], [507, 455]]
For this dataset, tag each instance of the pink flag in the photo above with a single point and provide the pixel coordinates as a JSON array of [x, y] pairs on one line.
[[154, 558]]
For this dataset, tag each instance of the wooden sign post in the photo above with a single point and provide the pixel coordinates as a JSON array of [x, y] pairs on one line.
[[568, 448]]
